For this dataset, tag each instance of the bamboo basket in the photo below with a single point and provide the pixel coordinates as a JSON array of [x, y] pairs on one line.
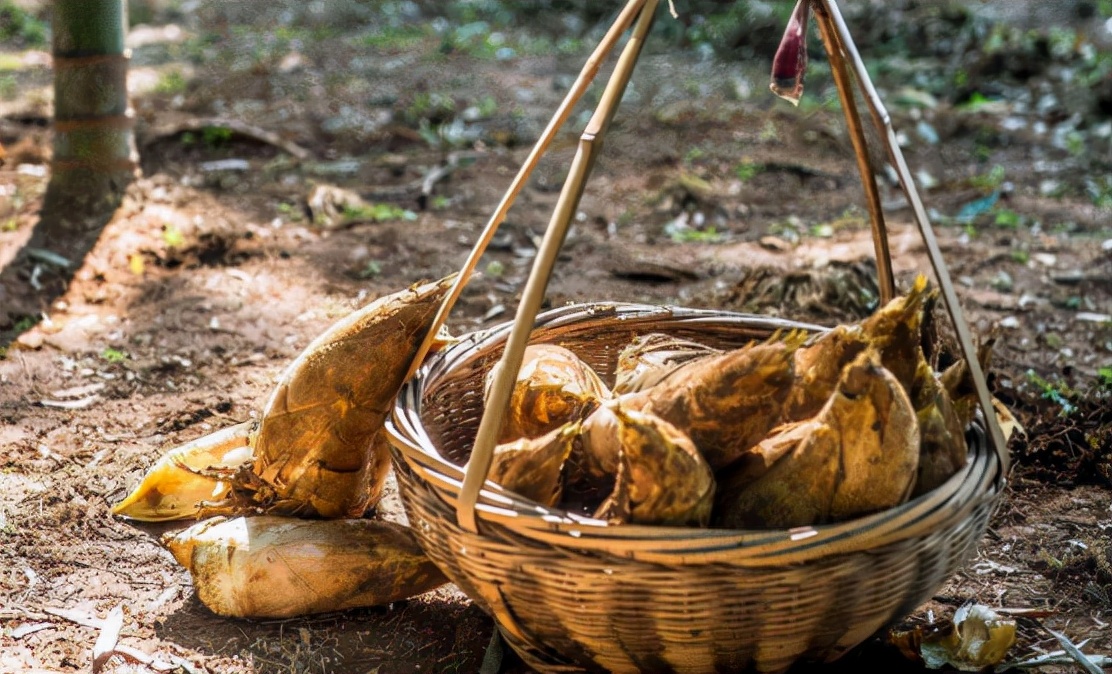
[[573, 593]]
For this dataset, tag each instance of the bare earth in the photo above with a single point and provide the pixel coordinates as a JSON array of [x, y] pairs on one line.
[[209, 281]]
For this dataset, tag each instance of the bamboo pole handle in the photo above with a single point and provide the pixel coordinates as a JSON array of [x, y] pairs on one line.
[[505, 374], [885, 280], [834, 24], [578, 88]]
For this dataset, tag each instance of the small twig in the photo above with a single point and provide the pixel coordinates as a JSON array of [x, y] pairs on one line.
[[79, 404], [79, 391], [1054, 658], [1025, 612], [136, 655], [36, 272], [49, 257], [76, 617], [235, 126], [421, 188], [30, 628], [455, 160], [1074, 652]]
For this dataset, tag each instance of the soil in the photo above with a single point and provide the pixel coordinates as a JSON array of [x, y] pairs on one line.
[[708, 192]]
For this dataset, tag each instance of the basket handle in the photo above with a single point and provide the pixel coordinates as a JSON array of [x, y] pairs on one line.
[[478, 466], [578, 88], [840, 49]]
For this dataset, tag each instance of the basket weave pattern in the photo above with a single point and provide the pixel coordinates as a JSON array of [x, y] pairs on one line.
[[575, 594]]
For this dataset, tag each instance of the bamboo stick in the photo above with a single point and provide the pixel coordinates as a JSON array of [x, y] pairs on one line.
[[834, 53], [578, 88], [506, 370], [883, 122]]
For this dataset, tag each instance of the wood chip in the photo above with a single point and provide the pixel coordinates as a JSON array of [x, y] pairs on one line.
[[81, 404], [167, 594], [136, 655], [775, 243], [75, 616], [105, 647], [79, 391]]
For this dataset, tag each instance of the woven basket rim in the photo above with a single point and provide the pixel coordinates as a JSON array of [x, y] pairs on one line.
[[979, 480]]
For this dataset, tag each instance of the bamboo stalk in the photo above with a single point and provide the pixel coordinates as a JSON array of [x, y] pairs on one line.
[[835, 55], [506, 370], [883, 122], [93, 122], [578, 88]]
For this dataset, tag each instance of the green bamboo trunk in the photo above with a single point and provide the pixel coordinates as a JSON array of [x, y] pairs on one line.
[[94, 155], [93, 138]]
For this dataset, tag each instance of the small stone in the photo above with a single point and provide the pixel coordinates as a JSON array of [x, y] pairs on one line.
[[926, 181], [1048, 188], [775, 243], [1091, 317], [1003, 281], [927, 132]]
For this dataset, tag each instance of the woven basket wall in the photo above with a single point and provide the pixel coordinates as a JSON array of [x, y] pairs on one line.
[[571, 593]]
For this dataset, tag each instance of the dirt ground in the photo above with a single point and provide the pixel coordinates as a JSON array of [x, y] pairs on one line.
[[709, 192]]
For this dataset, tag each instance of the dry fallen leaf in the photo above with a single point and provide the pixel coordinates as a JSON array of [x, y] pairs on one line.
[[976, 638]]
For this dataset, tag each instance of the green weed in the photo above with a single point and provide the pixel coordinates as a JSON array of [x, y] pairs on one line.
[[394, 39], [1008, 219], [1058, 393], [1104, 377], [113, 355], [372, 269], [991, 180], [291, 212], [172, 236], [216, 136], [171, 83], [378, 213], [495, 269], [708, 235], [746, 171], [18, 26], [9, 88]]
